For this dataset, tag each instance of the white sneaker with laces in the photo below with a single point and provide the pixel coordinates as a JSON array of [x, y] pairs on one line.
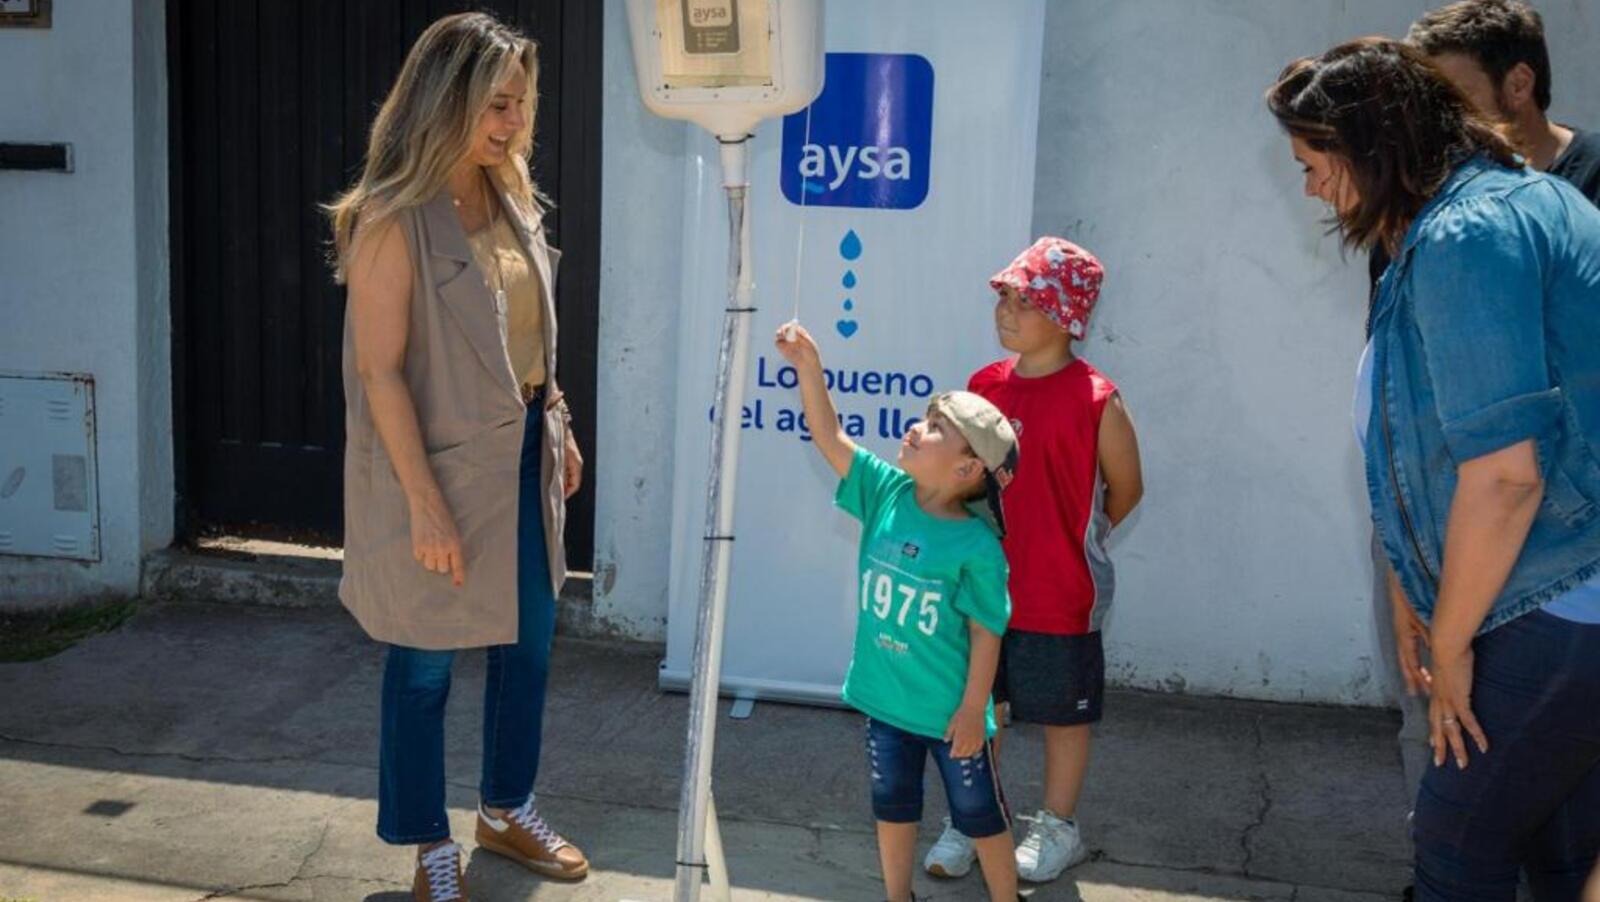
[[952, 855], [1051, 846]]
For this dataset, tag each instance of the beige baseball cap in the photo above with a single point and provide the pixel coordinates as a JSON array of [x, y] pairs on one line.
[[991, 438]]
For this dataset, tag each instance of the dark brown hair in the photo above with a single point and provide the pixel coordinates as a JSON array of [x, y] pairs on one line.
[[1398, 125], [1498, 34]]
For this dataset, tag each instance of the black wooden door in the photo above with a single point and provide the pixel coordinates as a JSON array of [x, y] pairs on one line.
[[271, 103]]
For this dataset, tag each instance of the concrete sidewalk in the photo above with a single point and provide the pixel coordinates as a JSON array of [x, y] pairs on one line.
[[209, 751]]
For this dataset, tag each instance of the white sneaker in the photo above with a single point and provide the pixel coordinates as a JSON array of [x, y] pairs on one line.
[[952, 855], [1051, 846]]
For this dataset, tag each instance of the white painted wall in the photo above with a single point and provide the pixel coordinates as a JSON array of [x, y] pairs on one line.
[[83, 268], [642, 187], [1229, 319], [1233, 326]]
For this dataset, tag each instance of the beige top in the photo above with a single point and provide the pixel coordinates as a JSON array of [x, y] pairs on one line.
[[505, 268]]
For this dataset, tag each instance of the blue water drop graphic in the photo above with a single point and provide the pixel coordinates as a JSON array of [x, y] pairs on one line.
[[849, 304], [850, 247], [849, 278]]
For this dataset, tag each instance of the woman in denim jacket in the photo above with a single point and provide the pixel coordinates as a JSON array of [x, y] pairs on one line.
[[1479, 408]]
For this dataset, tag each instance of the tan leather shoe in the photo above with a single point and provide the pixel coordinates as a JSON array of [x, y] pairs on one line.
[[439, 876], [524, 837]]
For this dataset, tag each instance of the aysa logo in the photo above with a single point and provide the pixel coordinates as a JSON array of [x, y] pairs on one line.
[[871, 131]]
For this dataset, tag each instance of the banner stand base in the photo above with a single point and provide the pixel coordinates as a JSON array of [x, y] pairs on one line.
[[820, 695]]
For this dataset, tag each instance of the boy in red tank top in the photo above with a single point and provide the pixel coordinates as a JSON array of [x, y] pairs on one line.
[[1079, 476]]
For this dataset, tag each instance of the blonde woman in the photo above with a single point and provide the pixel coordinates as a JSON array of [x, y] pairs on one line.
[[458, 459]]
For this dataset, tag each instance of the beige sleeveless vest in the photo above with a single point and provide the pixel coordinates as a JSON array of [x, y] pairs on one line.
[[471, 413]]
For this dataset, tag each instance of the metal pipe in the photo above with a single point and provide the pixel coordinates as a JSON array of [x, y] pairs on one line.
[[716, 861], [694, 804]]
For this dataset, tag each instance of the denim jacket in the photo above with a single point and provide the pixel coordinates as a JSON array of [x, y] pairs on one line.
[[1486, 333]]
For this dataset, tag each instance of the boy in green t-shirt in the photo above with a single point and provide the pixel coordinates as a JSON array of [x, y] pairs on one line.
[[933, 608]]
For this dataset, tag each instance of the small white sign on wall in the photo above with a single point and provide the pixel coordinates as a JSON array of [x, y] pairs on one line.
[[25, 13]]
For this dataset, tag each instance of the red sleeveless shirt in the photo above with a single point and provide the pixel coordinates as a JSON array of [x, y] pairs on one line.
[[1061, 576]]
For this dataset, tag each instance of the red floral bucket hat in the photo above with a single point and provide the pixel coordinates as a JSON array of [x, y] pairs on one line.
[[1057, 278]]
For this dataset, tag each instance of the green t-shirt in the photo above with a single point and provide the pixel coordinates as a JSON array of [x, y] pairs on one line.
[[922, 578]]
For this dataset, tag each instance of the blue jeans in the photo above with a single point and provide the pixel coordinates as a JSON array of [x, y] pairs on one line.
[[416, 683], [977, 804], [1533, 802]]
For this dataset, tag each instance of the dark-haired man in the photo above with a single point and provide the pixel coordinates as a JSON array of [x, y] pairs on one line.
[[1494, 52]]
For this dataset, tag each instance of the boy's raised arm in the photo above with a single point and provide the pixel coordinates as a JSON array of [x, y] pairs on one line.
[[800, 349]]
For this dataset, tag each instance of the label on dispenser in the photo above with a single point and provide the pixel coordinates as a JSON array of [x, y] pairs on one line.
[[710, 27]]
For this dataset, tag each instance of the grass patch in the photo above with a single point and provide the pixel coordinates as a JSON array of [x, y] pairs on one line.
[[36, 635]]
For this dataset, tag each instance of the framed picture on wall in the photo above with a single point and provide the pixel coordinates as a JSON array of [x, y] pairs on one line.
[[25, 13]]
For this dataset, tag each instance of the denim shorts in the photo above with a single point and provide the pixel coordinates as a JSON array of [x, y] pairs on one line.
[[977, 804]]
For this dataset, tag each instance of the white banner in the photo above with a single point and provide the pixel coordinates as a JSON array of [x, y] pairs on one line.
[[917, 182]]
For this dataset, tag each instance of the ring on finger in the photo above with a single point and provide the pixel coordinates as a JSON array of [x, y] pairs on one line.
[[1449, 721]]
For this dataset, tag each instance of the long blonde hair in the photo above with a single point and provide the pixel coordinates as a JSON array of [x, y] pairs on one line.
[[425, 125]]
